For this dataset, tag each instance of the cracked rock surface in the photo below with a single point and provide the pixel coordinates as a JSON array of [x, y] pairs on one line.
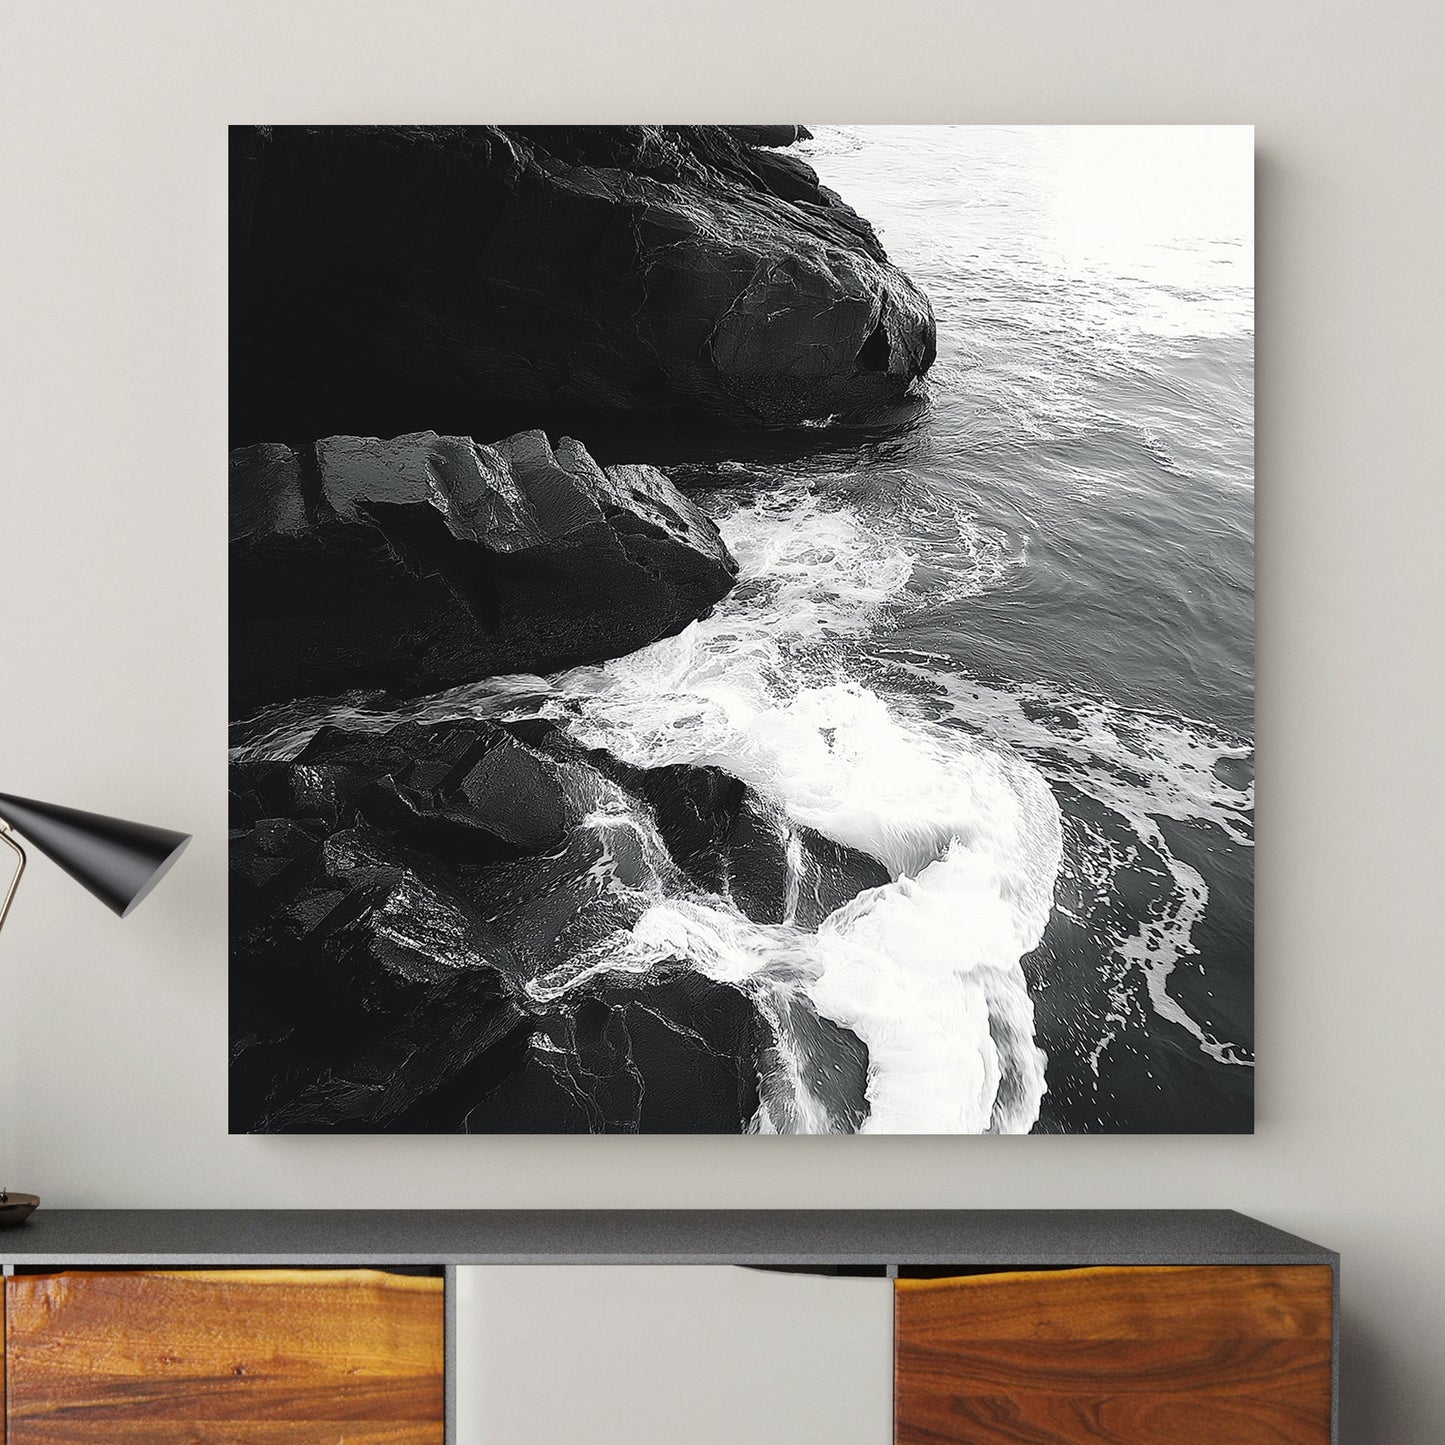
[[404, 273], [422, 562], [426, 926]]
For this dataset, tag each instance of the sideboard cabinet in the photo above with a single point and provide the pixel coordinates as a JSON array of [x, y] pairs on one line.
[[1047, 1327]]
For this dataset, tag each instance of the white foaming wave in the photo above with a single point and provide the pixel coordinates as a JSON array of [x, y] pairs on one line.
[[807, 569], [1143, 767], [829, 140], [1131, 760], [823, 573], [1164, 939], [809, 576], [926, 971]]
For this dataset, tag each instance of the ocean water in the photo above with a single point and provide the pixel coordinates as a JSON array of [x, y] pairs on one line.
[[1080, 504], [1006, 649]]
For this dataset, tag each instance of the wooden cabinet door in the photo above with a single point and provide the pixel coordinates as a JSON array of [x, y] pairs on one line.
[[1213, 1355], [245, 1357]]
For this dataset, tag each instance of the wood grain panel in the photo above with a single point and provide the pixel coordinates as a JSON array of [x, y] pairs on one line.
[[1216, 1355], [244, 1357]]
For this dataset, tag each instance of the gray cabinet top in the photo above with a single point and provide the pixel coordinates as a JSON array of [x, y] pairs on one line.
[[805, 1237]]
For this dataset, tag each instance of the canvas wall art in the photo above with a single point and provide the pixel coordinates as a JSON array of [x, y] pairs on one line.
[[741, 629]]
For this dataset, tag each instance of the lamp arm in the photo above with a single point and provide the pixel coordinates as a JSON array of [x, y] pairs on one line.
[[8, 838]]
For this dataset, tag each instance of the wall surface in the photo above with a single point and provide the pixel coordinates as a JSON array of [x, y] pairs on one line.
[[112, 537]]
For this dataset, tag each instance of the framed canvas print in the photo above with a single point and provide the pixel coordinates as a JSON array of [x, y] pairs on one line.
[[741, 629]]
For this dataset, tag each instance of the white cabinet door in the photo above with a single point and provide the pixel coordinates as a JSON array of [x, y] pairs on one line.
[[671, 1355]]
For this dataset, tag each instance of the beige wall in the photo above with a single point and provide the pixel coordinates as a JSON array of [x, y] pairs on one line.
[[113, 639]]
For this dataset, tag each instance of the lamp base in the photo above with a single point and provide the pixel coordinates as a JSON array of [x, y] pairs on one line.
[[17, 1208]]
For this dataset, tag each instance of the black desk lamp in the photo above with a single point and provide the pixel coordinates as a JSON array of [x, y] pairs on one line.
[[117, 861]]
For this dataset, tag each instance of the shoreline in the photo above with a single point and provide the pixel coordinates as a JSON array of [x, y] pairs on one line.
[[667, 711]]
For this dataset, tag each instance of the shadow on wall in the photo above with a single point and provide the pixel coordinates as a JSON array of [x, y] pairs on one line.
[[1366, 1388]]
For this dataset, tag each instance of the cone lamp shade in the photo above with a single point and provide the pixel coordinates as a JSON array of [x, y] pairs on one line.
[[118, 861]]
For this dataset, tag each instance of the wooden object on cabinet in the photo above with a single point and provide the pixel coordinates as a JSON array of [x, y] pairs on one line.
[[236, 1357], [1199, 1355]]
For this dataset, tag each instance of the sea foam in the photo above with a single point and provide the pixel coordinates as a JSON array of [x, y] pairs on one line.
[[925, 970], [1144, 768]]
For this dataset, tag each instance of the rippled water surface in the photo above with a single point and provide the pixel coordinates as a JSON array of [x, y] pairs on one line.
[[1079, 507], [1006, 650]]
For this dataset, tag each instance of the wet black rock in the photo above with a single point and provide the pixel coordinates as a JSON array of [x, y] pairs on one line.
[[423, 920], [731, 841], [674, 1053], [422, 562], [359, 986], [385, 277], [769, 135]]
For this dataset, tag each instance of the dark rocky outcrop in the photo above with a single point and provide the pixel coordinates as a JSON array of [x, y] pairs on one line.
[[421, 921], [730, 841], [424, 562], [362, 979], [673, 1054], [385, 277], [769, 135]]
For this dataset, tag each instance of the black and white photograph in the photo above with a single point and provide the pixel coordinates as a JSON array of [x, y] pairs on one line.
[[741, 629]]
